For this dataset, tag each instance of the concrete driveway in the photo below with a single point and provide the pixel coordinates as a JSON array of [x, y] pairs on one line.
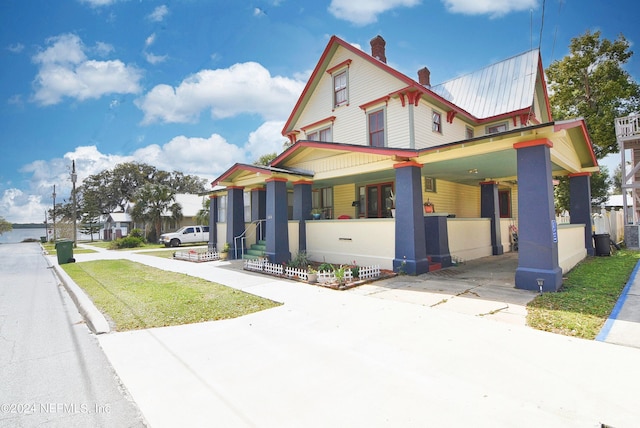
[[330, 358]]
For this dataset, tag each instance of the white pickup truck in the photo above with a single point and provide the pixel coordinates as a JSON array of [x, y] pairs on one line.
[[185, 235]]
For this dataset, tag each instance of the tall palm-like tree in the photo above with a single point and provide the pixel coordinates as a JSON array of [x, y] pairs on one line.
[[151, 202]]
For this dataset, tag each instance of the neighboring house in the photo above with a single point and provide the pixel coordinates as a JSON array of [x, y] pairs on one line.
[[117, 225], [371, 146], [190, 206]]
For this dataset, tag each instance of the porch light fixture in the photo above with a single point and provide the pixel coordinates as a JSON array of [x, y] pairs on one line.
[[355, 203]]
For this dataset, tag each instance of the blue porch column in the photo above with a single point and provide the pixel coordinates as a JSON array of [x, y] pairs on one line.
[[213, 221], [235, 218], [259, 209], [302, 204], [537, 228], [580, 205], [410, 251], [277, 221], [490, 208]]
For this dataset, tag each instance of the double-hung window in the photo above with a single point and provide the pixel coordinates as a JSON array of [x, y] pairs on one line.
[[340, 93], [436, 122], [320, 135], [376, 128]]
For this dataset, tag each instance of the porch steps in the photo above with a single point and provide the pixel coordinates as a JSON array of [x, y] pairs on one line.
[[256, 250]]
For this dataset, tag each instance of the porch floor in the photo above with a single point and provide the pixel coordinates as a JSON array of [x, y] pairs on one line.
[[482, 287]]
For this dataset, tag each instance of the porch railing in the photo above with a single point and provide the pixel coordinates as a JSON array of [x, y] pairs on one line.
[[249, 232], [628, 127]]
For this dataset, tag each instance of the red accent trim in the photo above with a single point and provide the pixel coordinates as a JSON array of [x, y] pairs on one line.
[[581, 123], [332, 46], [213, 196], [544, 86], [239, 167], [258, 189], [295, 183], [281, 179], [524, 118], [489, 182], [384, 99], [515, 121], [235, 187], [346, 63], [580, 174], [407, 164], [300, 145], [533, 143], [414, 97], [450, 115], [292, 136], [318, 123]]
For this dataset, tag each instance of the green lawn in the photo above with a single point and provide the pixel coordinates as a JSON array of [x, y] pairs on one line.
[[135, 296], [586, 298]]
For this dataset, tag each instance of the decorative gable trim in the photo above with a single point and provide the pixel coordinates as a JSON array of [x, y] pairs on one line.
[[450, 115], [318, 123], [380, 100], [340, 66]]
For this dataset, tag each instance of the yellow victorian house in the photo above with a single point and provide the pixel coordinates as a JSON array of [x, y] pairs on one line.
[[408, 175]]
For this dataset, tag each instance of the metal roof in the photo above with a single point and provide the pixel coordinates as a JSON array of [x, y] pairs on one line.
[[497, 89]]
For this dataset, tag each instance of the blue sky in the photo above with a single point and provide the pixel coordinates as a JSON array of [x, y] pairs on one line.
[[195, 85]]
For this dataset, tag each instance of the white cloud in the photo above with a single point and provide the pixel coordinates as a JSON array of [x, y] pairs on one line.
[[103, 49], [159, 13], [242, 88], [154, 59], [16, 48], [258, 12], [149, 40], [495, 8], [65, 71], [264, 140], [98, 3], [363, 12], [205, 157]]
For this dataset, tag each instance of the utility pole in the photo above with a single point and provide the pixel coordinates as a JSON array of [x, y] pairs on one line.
[[74, 178], [54, 213]]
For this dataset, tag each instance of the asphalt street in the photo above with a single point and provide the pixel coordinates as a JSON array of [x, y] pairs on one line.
[[53, 371]]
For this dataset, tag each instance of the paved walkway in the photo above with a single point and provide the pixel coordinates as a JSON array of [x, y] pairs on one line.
[[328, 358]]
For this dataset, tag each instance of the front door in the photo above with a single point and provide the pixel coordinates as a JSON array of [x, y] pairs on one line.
[[379, 200]]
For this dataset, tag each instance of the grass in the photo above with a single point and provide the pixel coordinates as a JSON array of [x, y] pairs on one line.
[[586, 298], [51, 249], [134, 296]]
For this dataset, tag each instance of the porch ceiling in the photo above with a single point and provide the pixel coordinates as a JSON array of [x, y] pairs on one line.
[[470, 170]]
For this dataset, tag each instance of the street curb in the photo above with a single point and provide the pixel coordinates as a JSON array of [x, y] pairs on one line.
[[606, 328], [95, 320]]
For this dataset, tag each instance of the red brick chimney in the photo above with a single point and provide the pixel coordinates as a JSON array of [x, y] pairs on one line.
[[377, 48], [424, 77]]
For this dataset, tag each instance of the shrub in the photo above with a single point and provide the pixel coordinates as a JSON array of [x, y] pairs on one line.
[[301, 260], [327, 267], [126, 242], [136, 233]]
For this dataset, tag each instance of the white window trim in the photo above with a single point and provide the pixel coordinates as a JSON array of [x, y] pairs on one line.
[[334, 74], [318, 131], [384, 124], [433, 122], [495, 125]]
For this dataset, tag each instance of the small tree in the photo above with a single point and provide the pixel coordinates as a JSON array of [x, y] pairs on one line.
[[5, 226], [600, 184]]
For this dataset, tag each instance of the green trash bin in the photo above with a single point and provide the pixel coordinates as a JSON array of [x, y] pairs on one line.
[[64, 249]]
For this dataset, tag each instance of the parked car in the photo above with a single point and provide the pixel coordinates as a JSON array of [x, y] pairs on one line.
[[185, 235]]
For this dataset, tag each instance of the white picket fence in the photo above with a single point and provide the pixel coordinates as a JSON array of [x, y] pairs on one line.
[[196, 256], [262, 265]]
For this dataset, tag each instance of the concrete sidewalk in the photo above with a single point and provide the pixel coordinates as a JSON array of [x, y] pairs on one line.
[[328, 358], [623, 325]]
